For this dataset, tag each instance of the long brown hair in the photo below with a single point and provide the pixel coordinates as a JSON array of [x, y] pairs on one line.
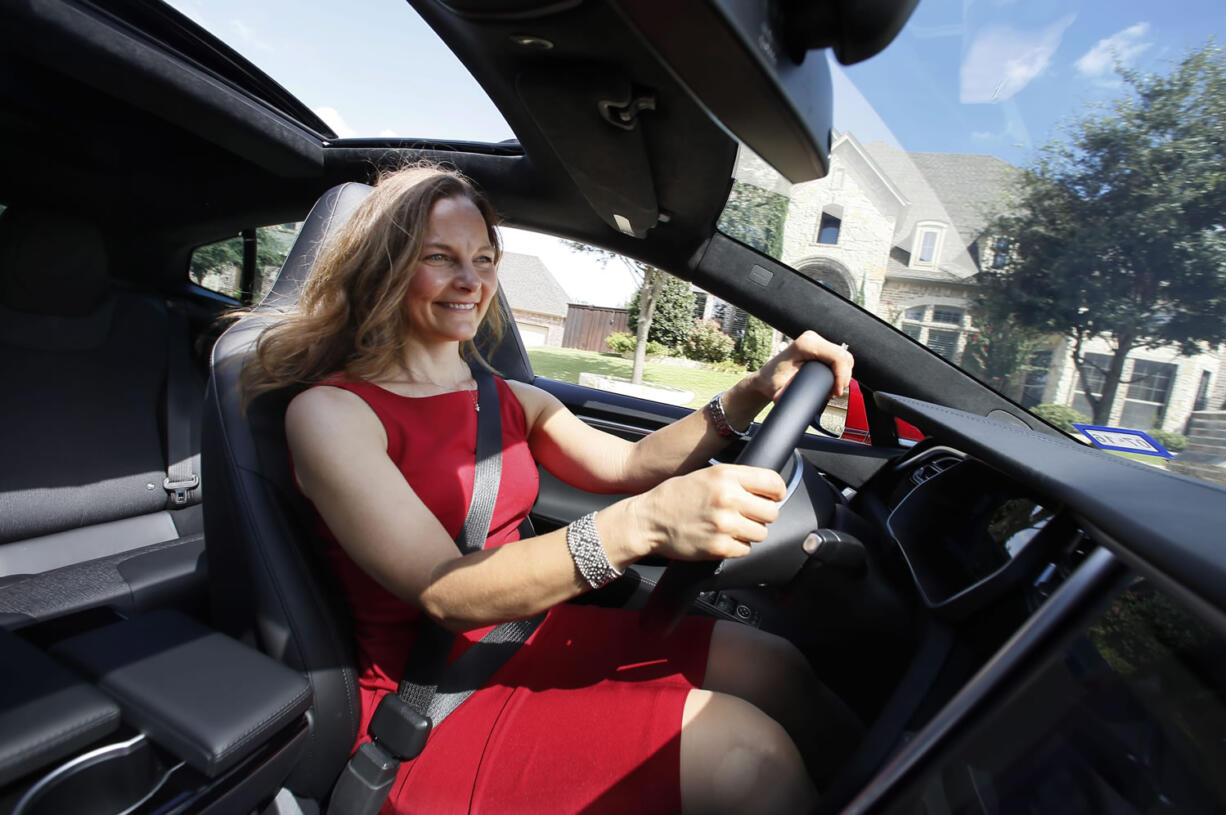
[[350, 316]]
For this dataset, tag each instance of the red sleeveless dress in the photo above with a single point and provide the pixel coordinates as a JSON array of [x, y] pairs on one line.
[[585, 717]]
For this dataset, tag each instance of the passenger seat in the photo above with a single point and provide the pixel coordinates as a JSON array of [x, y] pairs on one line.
[[86, 518]]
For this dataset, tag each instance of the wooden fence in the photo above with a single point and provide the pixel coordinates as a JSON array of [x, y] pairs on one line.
[[587, 326]]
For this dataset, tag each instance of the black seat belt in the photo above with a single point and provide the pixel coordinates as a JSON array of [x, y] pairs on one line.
[[182, 479], [430, 689]]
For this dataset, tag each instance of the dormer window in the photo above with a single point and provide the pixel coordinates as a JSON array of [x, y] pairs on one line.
[[927, 247], [830, 225]]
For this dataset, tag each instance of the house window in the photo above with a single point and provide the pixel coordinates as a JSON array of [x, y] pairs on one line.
[[931, 326], [1202, 392], [944, 343], [1000, 253], [927, 247], [830, 225], [947, 315], [1148, 390], [1036, 378], [700, 305], [1095, 369]]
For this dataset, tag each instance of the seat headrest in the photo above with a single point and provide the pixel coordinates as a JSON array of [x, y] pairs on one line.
[[330, 213], [51, 264]]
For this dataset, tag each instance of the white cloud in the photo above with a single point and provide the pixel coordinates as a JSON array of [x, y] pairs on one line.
[[929, 32], [333, 119], [388, 133], [1122, 46], [1002, 60]]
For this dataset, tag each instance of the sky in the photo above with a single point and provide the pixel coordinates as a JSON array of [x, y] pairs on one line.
[[964, 76]]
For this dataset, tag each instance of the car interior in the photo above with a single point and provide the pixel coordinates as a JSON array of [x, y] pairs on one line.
[[172, 640]]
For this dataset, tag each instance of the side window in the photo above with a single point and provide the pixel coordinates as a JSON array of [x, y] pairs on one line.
[[244, 266], [697, 344]]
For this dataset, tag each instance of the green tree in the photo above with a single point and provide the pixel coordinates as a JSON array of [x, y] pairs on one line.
[[218, 266], [998, 349], [753, 348], [644, 301], [755, 217], [673, 319], [1117, 230]]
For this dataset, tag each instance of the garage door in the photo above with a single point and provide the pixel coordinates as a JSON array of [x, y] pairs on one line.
[[533, 335]]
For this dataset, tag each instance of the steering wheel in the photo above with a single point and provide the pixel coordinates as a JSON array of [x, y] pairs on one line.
[[776, 557]]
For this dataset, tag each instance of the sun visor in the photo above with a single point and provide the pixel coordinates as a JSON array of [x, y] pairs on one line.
[[591, 119], [750, 64]]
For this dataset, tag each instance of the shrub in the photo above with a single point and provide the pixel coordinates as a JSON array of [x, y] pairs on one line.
[[1062, 416], [728, 366], [754, 347], [620, 342], [674, 314], [658, 349], [1175, 442], [706, 343]]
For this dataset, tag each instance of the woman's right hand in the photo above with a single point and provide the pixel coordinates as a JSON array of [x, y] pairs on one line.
[[714, 513]]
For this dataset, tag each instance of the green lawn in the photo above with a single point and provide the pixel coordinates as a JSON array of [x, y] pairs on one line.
[[565, 364]]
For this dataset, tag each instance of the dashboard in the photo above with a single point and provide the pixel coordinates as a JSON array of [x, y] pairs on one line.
[[987, 501]]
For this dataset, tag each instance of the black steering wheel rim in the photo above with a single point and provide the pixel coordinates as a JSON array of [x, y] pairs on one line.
[[771, 447]]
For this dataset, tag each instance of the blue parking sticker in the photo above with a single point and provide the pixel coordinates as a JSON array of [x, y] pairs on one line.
[[1123, 439]]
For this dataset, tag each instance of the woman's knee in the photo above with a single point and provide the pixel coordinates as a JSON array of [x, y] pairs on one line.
[[735, 758], [763, 668]]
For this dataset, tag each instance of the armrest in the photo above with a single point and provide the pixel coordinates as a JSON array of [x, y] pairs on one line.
[[205, 697], [46, 713]]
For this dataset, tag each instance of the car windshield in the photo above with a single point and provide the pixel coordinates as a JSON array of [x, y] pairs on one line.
[[1032, 191]]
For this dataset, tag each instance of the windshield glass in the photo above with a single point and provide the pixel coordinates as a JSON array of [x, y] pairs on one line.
[[1035, 192]]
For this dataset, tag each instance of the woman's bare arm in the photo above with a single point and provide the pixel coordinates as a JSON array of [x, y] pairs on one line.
[[342, 466], [600, 462]]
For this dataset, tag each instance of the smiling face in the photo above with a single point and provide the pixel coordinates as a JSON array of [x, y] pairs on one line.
[[457, 277]]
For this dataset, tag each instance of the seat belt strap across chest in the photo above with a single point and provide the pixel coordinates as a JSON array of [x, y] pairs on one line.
[[426, 672]]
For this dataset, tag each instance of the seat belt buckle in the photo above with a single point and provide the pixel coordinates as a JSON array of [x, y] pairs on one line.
[[178, 489], [399, 728]]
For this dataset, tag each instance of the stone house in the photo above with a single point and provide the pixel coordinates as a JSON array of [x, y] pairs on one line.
[[902, 235], [538, 301]]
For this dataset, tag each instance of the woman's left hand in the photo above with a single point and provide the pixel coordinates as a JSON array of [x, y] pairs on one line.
[[775, 375]]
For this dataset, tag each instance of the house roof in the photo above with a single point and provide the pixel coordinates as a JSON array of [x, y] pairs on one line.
[[956, 189], [901, 271], [530, 286]]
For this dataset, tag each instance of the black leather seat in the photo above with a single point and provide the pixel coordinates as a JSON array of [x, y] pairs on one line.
[[269, 584], [84, 518]]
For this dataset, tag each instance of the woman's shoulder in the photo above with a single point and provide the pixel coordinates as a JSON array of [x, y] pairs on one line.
[[532, 398], [325, 402]]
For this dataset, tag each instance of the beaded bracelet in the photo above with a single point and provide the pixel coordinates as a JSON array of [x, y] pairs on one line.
[[583, 541]]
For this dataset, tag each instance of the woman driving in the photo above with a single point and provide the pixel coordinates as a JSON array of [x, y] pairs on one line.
[[591, 714]]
